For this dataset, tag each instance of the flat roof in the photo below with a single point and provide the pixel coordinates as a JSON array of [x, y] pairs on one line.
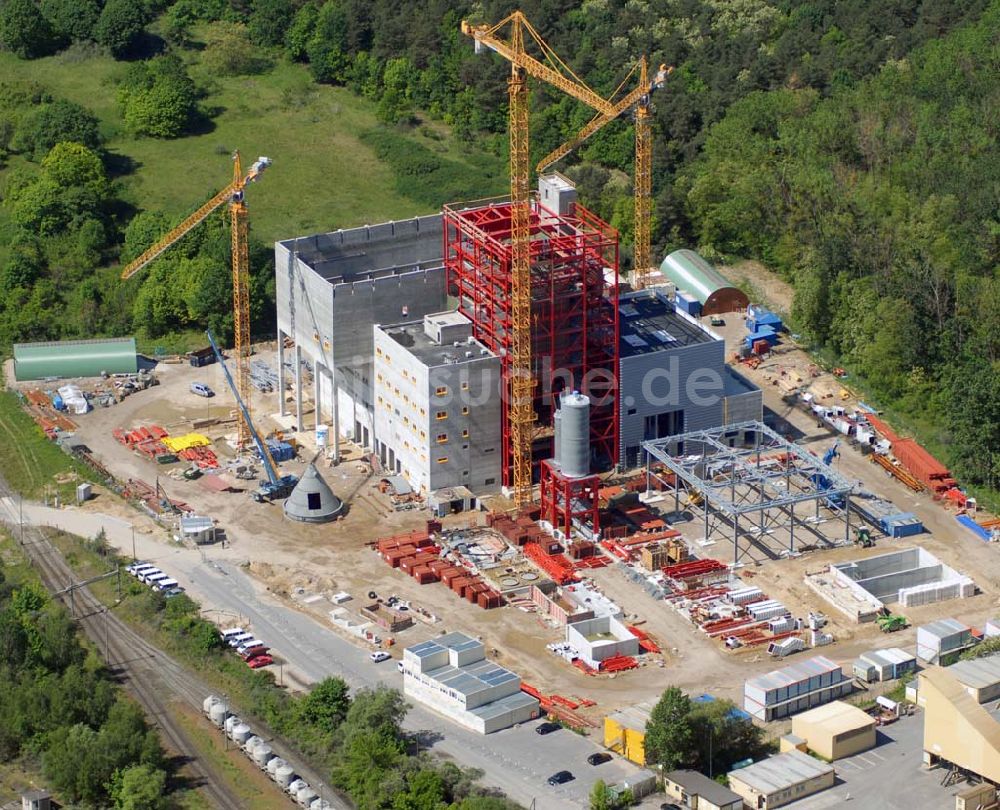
[[978, 673], [780, 772], [891, 656], [942, 628], [650, 323], [503, 705], [412, 337], [372, 250], [795, 673], [698, 784], [836, 717], [633, 717]]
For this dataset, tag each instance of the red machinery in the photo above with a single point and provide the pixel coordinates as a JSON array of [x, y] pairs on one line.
[[574, 309], [565, 499]]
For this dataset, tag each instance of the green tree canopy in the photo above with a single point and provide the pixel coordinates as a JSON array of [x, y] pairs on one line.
[[72, 19], [24, 31], [120, 24], [60, 121], [158, 98], [670, 739]]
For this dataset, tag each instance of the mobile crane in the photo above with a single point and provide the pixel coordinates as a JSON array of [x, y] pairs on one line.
[[276, 486]]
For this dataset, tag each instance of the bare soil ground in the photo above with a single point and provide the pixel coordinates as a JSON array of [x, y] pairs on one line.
[[306, 564]]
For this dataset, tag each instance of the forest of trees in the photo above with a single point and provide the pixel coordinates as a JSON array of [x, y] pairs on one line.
[[849, 146], [60, 710]]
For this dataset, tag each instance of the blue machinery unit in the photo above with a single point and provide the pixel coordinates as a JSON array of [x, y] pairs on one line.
[[276, 487]]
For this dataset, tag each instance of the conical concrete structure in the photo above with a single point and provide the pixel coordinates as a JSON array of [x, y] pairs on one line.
[[312, 501]]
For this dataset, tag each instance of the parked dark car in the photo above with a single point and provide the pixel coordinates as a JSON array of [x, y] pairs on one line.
[[547, 728], [560, 777], [599, 758]]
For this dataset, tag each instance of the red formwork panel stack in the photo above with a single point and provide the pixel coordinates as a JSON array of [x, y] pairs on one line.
[[922, 465]]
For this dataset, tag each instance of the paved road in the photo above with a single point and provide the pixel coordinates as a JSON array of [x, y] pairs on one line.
[[516, 760]]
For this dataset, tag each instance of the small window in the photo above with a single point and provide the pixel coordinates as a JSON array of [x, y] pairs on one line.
[[423, 434], [465, 410], [406, 399], [423, 412], [378, 377], [489, 481], [465, 386], [442, 460], [314, 500], [441, 415], [465, 473], [465, 433], [406, 421], [631, 411], [378, 352], [442, 438], [489, 449], [441, 391]]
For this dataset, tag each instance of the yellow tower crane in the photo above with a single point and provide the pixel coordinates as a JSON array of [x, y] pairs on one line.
[[232, 194], [639, 100], [560, 76]]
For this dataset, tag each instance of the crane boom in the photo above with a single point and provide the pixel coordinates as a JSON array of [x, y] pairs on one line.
[[279, 485], [514, 53], [192, 221]]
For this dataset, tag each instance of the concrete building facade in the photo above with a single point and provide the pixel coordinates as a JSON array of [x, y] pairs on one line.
[[451, 676], [330, 290], [673, 376], [781, 779], [600, 638], [437, 404], [836, 730]]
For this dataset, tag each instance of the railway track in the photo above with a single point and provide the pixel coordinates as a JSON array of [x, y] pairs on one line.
[[150, 675]]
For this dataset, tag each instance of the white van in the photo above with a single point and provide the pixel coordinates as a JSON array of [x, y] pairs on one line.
[[231, 632], [152, 580], [145, 568], [151, 572], [249, 644], [166, 584], [241, 638]]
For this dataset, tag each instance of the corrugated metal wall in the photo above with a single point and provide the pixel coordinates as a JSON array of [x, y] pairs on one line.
[[74, 358]]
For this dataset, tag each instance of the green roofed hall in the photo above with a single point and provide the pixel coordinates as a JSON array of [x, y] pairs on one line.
[[75, 358], [696, 278]]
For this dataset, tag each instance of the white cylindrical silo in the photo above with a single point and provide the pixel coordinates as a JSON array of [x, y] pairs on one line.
[[251, 745], [574, 438], [273, 765], [305, 796], [241, 733], [231, 722], [284, 775], [218, 714], [208, 703], [262, 755], [319, 804], [293, 788]]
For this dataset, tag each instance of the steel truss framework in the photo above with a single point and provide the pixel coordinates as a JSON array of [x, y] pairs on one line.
[[567, 501], [574, 309], [748, 493]]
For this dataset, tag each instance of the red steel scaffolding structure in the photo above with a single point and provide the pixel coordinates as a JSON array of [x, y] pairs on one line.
[[574, 309]]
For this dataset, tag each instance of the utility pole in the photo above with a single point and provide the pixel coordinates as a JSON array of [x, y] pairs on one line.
[[107, 654], [134, 558], [20, 518]]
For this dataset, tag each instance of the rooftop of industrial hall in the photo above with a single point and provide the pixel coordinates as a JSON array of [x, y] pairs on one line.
[[649, 323], [371, 251], [439, 339]]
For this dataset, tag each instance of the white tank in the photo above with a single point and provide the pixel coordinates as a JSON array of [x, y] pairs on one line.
[[293, 789], [574, 435], [231, 722], [273, 764], [322, 436], [305, 796], [208, 702], [241, 733], [319, 804], [262, 755], [218, 714], [251, 745], [283, 775]]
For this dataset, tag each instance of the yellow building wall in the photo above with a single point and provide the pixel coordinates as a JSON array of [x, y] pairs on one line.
[[956, 727], [628, 742]]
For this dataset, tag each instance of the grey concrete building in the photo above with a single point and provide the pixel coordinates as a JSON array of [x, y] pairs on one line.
[[331, 289], [673, 376], [437, 404]]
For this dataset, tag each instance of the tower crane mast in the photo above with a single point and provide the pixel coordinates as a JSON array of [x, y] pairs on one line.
[[234, 195]]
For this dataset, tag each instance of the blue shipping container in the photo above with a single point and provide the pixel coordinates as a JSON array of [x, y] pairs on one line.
[[905, 524], [688, 304]]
